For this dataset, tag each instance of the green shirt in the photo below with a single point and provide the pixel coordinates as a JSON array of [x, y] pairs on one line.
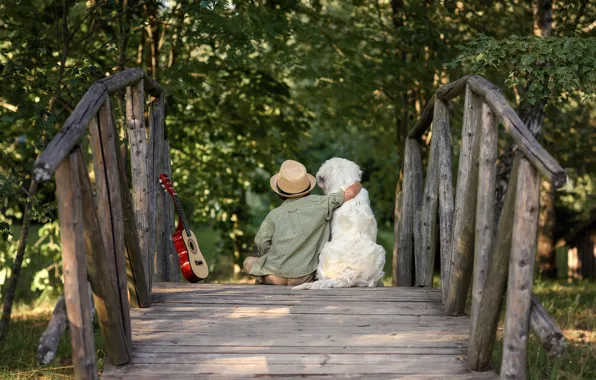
[[292, 236]]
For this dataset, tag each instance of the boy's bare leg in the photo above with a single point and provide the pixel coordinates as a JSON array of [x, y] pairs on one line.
[[248, 264], [301, 280]]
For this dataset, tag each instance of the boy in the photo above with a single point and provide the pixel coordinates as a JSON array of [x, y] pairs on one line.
[[292, 236]]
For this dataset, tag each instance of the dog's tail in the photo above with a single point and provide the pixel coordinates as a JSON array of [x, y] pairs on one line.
[[324, 284]]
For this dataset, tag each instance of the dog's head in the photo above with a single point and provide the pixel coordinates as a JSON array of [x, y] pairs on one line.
[[337, 173]]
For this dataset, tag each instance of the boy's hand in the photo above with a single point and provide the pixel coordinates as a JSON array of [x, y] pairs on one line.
[[352, 191]]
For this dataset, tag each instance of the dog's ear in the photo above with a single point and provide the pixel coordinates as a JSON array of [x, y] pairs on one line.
[[321, 181]]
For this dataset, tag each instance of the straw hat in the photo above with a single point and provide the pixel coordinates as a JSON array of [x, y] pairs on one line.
[[292, 181]]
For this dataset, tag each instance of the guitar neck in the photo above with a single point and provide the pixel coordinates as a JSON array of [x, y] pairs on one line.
[[181, 215]]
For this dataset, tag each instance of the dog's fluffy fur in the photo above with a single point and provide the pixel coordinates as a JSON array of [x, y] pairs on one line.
[[352, 257]]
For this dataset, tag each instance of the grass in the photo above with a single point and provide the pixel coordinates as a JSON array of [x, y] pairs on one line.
[[17, 351], [573, 306]]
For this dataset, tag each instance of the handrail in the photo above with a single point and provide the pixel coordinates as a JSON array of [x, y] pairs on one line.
[[76, 124], [110, 237], [472, 247], [514, 126]]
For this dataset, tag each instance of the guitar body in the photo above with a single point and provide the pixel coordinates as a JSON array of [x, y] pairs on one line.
[[192, 263]]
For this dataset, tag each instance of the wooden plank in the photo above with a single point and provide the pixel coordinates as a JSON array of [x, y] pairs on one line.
[[140, 295], [441, 128], [428, 223], [71, 132], [76, 292], [447, 349], [246, 337], [140, 169], [424, 121], [451, 365], [405, 241], [485, 208], [173, 266], [521, 135], [157, 219], [355, 375], [102, 137], [103, 277], [453, 89], [410, 308], [48, 343], [283, 298], [214, 288], [521, 273], [464, 217], [483, 337], [240, 324]]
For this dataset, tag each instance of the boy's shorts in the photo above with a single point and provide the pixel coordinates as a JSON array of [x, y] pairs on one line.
[[272, 279]]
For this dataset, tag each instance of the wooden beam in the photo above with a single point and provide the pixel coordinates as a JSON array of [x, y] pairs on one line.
[[405, 249], [441, 128], [156, 142], [462, 246], [71, 132], [482, 339], [549, 334], [140, 169], [453, 89], [521, 135], [119, 81], [103, 137], [417, 184], [485, 208], [396, 236], [521, 273], [76, 292], [48, 343], [104, 277], [140, 295], [424, 121], [428, 225]]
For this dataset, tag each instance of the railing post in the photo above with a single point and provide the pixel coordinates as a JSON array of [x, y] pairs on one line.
[[156, 141], [521, 273], [169, 224], [482, 339], [443, 134], [411, 201], [76, 291], [140, 160], [109, 205], [462, 244], [428, 224], [103, 277], [485, 208]]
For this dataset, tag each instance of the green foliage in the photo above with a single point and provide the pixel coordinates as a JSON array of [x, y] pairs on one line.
[[549, 69]]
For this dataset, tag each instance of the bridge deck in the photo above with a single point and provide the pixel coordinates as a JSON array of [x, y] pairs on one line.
[[247, 331]]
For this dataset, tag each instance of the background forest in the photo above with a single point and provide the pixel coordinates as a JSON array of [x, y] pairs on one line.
[[252, 83]]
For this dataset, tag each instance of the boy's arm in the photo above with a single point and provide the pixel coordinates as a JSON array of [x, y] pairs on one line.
[[264, 236], [352, 191], [337, 199]]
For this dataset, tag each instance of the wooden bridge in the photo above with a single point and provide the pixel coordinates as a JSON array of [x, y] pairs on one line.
[[155, 327]]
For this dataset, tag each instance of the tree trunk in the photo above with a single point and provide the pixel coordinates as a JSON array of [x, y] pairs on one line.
[[16, 267]]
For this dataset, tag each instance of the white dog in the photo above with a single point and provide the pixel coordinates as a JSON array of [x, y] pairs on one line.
[[352, 257]]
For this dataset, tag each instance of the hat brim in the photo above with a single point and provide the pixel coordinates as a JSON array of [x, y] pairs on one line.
[[273, 183]]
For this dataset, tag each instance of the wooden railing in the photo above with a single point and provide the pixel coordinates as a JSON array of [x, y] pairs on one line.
[[472, 247], [110, 240]]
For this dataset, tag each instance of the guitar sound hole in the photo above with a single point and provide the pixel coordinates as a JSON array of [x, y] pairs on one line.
[[192, 246]]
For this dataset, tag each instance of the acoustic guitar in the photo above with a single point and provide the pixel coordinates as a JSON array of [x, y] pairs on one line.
[[192, 263]]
